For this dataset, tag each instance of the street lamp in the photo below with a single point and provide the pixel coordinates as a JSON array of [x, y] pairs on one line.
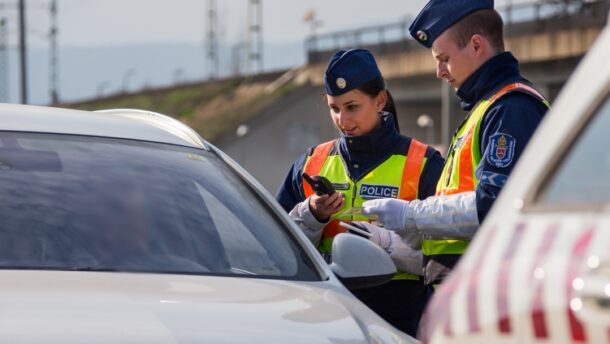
[[425, 121], [242, 130]]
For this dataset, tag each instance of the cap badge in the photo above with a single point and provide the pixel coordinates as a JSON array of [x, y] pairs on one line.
[[341, 83], [422, 36]]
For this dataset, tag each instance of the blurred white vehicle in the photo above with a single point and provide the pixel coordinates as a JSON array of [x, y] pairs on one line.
[[538, 270], [125, 226]]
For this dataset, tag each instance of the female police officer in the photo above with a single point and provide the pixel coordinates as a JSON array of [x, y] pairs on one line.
[[371, 159]]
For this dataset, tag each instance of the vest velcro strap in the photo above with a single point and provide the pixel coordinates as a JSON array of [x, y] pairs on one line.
[[409, 185], [314, 163]]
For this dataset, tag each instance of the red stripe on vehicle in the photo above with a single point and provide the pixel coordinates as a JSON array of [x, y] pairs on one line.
[[473, 284], [537, 310], [437, 312], [450, 290], [577, 256], [504, 325]]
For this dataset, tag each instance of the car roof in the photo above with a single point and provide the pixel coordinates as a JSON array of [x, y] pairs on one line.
[[116, 123]]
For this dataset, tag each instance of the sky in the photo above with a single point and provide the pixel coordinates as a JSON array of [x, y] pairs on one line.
[[157, 42], [87, 23]]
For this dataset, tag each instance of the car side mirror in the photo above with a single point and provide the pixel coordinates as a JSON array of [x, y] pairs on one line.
[[359, 263]]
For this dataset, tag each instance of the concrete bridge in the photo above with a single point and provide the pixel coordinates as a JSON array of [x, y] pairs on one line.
[[548, 38]]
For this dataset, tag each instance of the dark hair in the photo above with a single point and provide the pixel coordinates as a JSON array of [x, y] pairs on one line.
[[486, 23], [372, 89]]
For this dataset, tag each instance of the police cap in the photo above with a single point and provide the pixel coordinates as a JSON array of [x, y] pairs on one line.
[[439, 15], [348, 70]]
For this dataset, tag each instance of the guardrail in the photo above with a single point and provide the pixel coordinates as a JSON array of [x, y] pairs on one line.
[[518, 18]]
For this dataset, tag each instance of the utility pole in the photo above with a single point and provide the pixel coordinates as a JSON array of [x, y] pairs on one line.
[[255, 36], [22, 53], [4, 77], [53, 61], [213, 62]]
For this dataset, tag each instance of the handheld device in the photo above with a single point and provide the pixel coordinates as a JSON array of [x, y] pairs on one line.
[[319, 184], [363, 232]]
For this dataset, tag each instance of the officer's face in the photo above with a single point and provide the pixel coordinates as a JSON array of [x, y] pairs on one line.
[[356, 113], [452, 63]]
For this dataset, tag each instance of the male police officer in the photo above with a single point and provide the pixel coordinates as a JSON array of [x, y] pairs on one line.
[[466, 40]]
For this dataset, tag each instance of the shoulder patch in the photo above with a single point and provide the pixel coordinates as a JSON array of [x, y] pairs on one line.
[[501, 150], [492, 178]]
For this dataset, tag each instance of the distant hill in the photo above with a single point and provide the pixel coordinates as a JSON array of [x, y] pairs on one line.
[[86, 73]]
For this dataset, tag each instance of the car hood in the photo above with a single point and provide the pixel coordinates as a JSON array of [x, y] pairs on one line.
[[103, 307]]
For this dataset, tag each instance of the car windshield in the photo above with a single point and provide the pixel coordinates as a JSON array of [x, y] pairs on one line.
[[82, 203]]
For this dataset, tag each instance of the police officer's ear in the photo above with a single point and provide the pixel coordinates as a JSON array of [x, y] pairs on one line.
[[381, 100], [476, 43], [481, 46]]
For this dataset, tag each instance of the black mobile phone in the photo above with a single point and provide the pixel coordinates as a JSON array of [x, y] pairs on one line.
[[319, 184], [356, 228]]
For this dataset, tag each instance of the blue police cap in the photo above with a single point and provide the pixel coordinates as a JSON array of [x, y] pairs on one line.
[[438, 15], [348, 70]]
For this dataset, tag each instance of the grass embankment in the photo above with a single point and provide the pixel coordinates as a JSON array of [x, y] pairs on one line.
[[212, 108]]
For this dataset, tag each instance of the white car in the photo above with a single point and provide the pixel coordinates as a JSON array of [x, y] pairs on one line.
[[125, 226], [538, 270]]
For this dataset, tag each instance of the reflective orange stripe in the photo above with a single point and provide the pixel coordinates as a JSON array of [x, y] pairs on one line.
[[514, 86], [314, 164], [409, 184], [332, 229]]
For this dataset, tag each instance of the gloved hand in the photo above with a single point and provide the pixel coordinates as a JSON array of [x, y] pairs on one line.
[[379, 236], [405, 257], [393, 213]]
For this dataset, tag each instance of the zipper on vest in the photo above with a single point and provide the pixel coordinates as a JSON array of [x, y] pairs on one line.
[[354, 195]]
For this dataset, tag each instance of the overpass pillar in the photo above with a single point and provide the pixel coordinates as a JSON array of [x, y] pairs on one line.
[[448, 101]]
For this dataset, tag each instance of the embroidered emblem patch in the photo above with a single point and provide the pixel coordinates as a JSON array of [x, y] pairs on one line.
[[368, 191], [492, 178], [502, 150]]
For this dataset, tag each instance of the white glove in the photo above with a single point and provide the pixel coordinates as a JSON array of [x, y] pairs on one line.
[[405, 257], [379, 236], [393, 213]]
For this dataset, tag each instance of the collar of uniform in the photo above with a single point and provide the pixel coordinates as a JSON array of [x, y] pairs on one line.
[[383, 137], [486, 79]]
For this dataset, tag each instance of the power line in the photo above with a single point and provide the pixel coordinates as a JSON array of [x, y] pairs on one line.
[[255, 36], [53, 60], [213, 60], [23, 54], [4, 61]]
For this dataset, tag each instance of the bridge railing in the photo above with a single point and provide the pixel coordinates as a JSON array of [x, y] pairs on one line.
[[518, 18]]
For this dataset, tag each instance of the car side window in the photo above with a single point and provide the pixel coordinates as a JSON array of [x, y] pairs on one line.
[[583, 176], [242, 247]]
